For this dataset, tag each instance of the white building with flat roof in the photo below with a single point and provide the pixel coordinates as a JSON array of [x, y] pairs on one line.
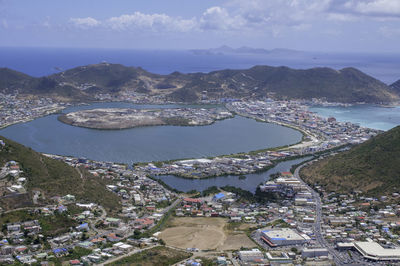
[[283, 237], [373, 251]]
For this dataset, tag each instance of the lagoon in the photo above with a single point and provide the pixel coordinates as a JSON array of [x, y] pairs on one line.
[[250, 183], [158, 143]]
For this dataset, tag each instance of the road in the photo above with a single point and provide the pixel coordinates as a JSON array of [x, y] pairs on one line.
[[339, 260], [173, 205], [126, 255]]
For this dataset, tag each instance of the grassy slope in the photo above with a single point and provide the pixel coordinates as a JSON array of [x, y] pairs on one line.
[[56, 178], [372, 167], [51, 225], [11, 79], [155, 256]]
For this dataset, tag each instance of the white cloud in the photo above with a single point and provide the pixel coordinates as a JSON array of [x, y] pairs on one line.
[[218, 18], [85, 23], [256, 16], [371, 8], [155, 22], [343, 17]]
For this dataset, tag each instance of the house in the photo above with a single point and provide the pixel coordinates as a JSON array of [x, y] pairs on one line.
[[75, 262], [218, 197], [99, 240], [113, 237], [13, 227], [59, 252], [83, 227], [113, 221]]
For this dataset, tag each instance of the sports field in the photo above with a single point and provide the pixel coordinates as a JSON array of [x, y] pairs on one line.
[[204, 233]]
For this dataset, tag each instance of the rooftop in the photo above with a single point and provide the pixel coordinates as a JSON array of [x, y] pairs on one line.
[[373, 250], [282, 234]]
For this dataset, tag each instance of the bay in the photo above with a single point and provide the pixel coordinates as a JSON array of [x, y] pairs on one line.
[[371, 116]]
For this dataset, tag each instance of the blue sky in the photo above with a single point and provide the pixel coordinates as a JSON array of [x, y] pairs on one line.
[[314, 25]]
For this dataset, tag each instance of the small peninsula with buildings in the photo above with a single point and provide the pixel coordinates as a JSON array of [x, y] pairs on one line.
[[123, 118]]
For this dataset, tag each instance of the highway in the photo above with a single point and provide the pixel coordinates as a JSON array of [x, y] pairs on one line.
[[338, 259]]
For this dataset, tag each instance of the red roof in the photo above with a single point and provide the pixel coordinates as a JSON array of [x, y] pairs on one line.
[[145, 221], [192, 200]]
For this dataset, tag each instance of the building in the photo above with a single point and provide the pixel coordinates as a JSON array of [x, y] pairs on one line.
[[314, 252], [275, 258], [344, 246], [283, 237], [373, 251], [218, 197], [250, 255]]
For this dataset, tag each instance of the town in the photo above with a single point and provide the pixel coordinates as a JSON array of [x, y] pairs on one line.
[[15, 109], [285, 221], [319, 135]]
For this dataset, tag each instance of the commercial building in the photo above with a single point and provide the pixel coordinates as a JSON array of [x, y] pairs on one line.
[[314, 252], [373, 251], [344, 246], [283, 237], [251, 255]]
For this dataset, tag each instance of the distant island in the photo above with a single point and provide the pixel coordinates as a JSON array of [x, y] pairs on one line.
[[123, 118]]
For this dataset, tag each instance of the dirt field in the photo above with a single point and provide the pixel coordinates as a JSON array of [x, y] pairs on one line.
[[204, 233]]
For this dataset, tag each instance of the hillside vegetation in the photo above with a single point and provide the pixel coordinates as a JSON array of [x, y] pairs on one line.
[[82, 83], [54, 178], [372, 167]]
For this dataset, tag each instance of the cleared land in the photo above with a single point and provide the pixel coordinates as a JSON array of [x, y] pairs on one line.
[[205, 234], [122, 118]]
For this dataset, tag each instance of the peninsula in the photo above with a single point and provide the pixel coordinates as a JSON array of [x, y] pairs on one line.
[[123, 118]]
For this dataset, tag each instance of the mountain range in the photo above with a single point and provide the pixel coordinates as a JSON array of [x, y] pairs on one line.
[[347, 85]]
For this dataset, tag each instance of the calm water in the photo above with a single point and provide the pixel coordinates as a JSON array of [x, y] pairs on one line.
[[45, 61], [365, 115], [250, 183], [144, 144]]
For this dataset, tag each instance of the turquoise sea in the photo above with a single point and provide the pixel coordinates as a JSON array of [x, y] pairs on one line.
[[372, 116]]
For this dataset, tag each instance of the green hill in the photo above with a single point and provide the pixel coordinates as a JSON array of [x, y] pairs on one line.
[[52, 178], [372, 167], [347, 85], [11, 80]]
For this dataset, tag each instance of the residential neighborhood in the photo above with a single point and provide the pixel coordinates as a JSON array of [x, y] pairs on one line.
[[285, 221]]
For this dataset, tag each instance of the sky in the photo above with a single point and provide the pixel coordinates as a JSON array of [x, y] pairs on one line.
[[308, 25]]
